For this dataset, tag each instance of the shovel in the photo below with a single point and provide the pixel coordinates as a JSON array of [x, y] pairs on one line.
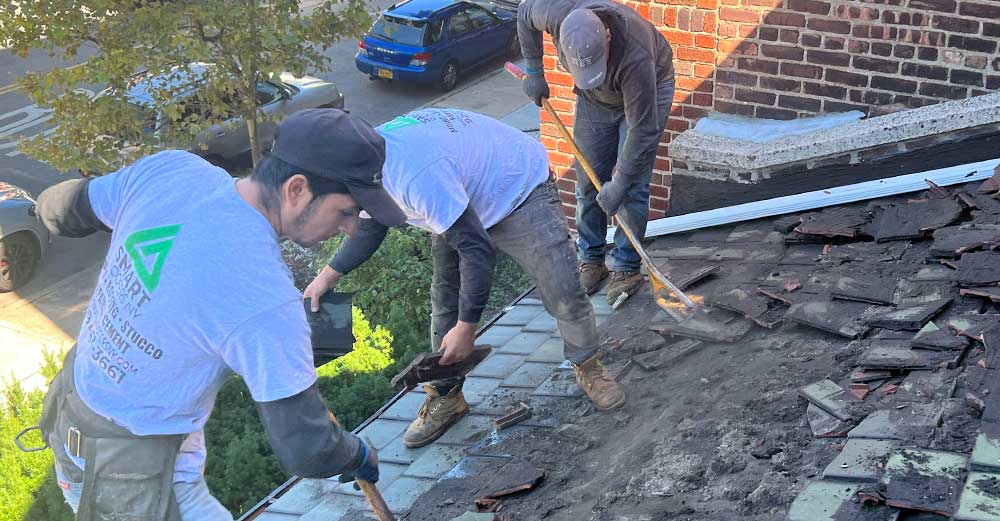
[[668, 296]]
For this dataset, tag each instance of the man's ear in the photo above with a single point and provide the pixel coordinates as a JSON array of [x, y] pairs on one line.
[[296, 188]]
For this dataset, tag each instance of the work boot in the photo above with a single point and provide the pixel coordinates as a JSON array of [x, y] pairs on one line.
[[623, 282], [594, 379], [591, 276], [435, 416]]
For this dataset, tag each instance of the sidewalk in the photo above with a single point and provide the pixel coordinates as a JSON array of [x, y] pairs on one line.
[[51, 319]]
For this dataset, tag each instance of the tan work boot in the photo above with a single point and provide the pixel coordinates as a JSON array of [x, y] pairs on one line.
[[591, 276], [594, 379], [623, 282], [435, 416]]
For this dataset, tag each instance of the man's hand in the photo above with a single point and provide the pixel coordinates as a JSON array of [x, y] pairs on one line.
[[613, 194], [535, 87], [365, 468], [323, 282], [458, 343]]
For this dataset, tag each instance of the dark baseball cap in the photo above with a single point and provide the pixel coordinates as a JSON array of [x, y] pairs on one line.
[[584, 41], [332, 144]]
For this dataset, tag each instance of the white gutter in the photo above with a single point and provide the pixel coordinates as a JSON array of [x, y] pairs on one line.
[[819, 199]]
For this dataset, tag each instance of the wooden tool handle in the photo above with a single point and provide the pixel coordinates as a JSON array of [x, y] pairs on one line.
[[374, 497]]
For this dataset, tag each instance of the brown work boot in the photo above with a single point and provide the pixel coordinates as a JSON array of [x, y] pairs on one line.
[[435, 416], [591, 276], [623, 282], [594, 379]]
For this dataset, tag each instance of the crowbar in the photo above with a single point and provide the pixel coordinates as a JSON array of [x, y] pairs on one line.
[[662, 288], [374, 497]]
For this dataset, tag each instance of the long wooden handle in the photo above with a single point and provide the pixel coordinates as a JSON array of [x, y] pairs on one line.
[[519, 73], [374, 497]]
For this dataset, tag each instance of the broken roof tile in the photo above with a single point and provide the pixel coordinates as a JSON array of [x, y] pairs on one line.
[[991, 293], [934, 338], [710, 325], [753, 231], [980, 500], [871, 289], [805, 254], [830, 397], [914, 423], [838, 317], [743, 299], [927, 480], [685, 252], [833, 222], [894, 355], [978, 269], [826, 425], [991, 185], [860, 461], [914, 219], [911, 317], [973, 326], [952, 241], [667, 356], [749, 252]]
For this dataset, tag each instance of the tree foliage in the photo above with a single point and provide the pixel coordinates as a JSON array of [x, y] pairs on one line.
[[246, 41]]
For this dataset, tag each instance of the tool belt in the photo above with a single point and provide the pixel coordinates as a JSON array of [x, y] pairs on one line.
[[125, 477]]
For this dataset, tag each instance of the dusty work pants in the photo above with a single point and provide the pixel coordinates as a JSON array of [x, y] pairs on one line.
[[600, 133], [537, 237]]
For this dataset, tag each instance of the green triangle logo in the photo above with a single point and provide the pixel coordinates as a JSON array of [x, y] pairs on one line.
[[400, 122], [148, 250]]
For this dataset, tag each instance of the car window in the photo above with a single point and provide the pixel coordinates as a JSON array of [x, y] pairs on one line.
[[267, 92], [398, 30], [459, 24], [478, 16], [434, 31]]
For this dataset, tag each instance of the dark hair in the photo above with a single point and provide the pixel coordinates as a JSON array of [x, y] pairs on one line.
[[272, 172]]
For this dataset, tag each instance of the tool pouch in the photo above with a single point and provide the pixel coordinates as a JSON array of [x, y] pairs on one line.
[[125, 477]]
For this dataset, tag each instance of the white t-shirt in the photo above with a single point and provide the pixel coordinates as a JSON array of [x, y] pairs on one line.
[[439, 161], [193, 289]]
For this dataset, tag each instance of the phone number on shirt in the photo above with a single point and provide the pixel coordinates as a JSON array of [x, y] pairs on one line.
[[115, 372]]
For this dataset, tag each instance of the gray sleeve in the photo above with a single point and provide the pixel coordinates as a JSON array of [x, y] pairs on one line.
[[65, 210], [641, 116], [530, 37], [305, 440], [356, 249], [477, 259]]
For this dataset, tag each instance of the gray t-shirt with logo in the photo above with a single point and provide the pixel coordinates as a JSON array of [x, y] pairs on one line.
[[193, 289]]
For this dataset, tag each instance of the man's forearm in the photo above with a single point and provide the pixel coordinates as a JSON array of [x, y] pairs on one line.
[[65, 210], [305, 440], [530, 38], [477, 261], [643, 118], [358, 248]]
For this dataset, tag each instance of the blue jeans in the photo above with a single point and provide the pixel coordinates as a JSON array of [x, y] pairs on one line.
[[600, 134]]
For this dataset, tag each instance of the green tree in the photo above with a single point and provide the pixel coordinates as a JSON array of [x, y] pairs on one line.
[[246, 41]]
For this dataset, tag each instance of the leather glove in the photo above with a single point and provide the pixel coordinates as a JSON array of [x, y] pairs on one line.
[[535, 87], [365, 467], [612, 194]]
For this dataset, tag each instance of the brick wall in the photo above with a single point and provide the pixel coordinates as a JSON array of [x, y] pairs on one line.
[[784, 59]]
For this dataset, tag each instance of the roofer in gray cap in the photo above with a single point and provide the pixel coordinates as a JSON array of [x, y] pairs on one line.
[[623, 73], [195, 276]]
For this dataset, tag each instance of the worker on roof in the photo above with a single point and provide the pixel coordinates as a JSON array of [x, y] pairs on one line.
[[479, 187], [193, 290], [623, 75]]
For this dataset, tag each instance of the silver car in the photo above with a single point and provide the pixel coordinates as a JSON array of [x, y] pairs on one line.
[[228, 140], [23, 239]]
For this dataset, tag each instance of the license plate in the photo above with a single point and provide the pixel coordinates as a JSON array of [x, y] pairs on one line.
[[385, 73]]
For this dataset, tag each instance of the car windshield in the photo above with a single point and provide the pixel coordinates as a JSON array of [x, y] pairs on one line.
[[399, 30]]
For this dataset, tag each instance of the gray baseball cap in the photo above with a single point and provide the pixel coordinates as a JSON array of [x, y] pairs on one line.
[[584, 41], [334, 145]]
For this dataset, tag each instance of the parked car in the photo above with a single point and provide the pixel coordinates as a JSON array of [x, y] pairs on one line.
[[23, 239], [436, 41], [228, 140]]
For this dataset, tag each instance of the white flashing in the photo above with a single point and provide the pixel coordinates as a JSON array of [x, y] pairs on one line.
[[819, 198]]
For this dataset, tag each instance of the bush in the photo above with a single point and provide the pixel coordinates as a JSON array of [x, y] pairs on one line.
[[28, 489]]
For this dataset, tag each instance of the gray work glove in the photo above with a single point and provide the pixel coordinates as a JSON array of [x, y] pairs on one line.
[[535, 86], [365, 467], [612, 194]]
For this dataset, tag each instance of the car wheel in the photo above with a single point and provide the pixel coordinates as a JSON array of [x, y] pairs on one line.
[[19, 255], [449, 76], [513, 47]]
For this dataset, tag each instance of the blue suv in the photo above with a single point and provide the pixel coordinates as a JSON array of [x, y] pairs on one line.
[[434, 41]]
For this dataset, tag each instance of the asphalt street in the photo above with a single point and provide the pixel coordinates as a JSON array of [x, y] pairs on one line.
[[375, 101]]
